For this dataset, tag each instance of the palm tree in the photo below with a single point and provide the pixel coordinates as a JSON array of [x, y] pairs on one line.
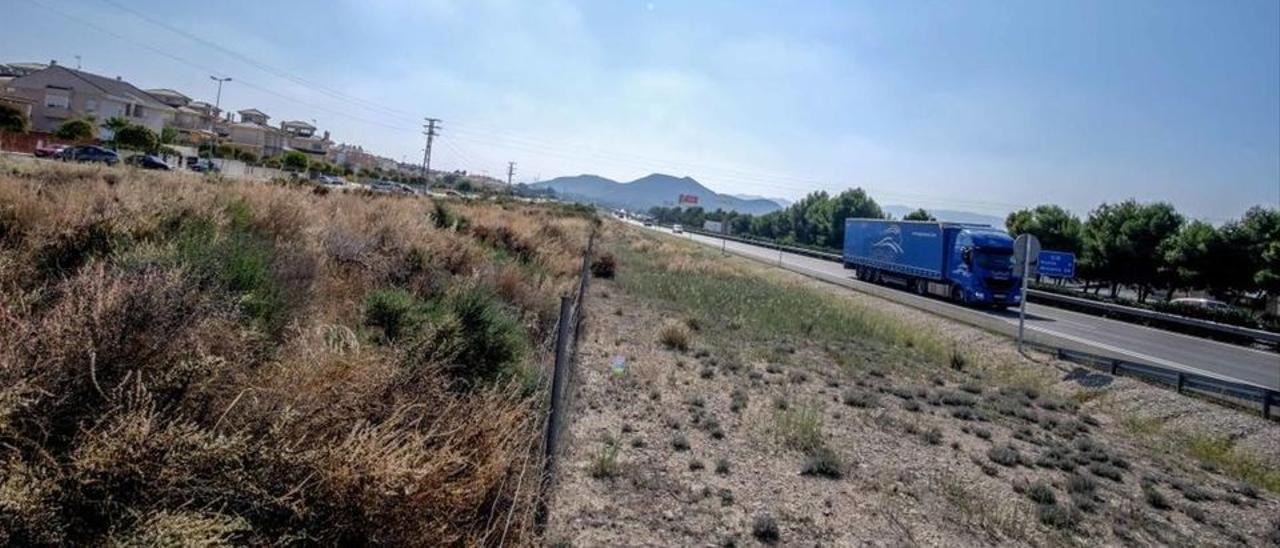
[[114, 124]]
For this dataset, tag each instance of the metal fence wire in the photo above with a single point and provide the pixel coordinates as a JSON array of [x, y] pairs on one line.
[[566, 348]]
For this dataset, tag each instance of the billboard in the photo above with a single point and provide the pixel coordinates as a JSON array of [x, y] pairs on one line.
[[688, 199], [715, 227]]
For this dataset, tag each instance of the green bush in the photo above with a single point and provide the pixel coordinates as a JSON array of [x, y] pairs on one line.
[[395, 311], [237, 258], [491, 335]]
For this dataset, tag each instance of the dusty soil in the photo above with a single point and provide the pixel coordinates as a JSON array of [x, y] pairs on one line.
[[700, 447]]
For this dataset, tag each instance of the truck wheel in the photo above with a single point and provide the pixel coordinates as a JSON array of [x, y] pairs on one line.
[[920, 287], [957, 294]]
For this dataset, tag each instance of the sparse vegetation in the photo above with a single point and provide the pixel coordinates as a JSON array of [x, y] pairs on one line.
[[188, 363], [933, 436], [722, 466], [800, 427], [1005, 455], [674, 337], [765, 529], [860, 398], [605, 464], [823, 462]]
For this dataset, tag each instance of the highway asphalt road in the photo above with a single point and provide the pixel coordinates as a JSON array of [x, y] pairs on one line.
[[1134, 343]]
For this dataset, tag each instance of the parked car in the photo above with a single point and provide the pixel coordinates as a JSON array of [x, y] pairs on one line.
[[48, 151], [148, 161], [331, 180], [677, 229], [202, 165], [89, 153]]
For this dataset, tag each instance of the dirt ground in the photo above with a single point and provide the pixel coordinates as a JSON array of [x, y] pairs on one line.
[[705, 447]]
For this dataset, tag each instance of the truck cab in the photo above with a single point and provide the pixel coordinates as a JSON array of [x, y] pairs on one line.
[[981, 268]]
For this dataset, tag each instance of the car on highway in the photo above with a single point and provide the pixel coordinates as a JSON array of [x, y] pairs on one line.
[[148, 161], [647, 222], [677, 229], [88, 153], [1200, 302], [48, 151]]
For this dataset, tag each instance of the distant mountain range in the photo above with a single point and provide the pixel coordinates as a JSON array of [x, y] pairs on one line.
[[783, 202], [898, 211], [650, 191]]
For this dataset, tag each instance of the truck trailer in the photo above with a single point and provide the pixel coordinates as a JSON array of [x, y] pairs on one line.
[[968, 263]]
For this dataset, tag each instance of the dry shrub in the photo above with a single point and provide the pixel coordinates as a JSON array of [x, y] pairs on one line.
[[675, 337], [184, 362]]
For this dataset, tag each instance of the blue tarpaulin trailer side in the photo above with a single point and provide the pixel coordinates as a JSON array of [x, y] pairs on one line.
[[905, 247]]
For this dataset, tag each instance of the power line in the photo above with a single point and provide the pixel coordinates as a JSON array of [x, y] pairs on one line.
[[205, 68], [262, 66]]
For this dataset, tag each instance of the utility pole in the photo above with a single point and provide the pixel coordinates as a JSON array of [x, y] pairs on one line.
[[430, 131], [217, 105], [511, 171]]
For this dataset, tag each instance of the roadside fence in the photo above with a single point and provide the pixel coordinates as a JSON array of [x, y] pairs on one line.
[[568, 327]]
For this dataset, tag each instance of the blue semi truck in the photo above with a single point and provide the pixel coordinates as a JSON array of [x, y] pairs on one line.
[[967, 263]]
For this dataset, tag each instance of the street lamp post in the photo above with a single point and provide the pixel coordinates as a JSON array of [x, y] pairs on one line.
[[217, 106]]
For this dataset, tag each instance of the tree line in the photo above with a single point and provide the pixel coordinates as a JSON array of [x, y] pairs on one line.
[[1148, 247]]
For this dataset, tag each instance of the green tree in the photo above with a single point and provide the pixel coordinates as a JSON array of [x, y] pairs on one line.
[[76, 130], [1121, 243], [294, 161], [136, 137], [168, 135], [853, 203], [12, 120], [1056, 228], [1189, 256], [1261, 231], [919, 215], [115, 124]]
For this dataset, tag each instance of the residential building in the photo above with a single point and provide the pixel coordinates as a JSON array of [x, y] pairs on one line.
[[253, 134], [60, 94], [193, 120], [301, 137]]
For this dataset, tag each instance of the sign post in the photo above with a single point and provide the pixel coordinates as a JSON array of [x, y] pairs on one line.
[[1026, 257]]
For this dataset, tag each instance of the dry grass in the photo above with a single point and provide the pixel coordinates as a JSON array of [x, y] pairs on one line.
[[186, 361]]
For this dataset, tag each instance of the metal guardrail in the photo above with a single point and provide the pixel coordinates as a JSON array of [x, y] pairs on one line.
[[1115, 309], [1221, 390], [1234, 393], [1118, 309]]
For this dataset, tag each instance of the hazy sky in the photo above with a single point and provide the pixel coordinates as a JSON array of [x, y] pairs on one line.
[[984, 106]]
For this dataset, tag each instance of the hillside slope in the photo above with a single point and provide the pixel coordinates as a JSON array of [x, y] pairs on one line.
[[196, 362]]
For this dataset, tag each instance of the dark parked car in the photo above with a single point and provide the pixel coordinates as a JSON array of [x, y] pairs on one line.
[[88, 153], [200, 165], [147, 161]]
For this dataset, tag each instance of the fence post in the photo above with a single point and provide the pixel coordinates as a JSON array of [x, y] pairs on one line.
[[1182, 379], [1266, 403], [558, 374], [1115, 365]]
